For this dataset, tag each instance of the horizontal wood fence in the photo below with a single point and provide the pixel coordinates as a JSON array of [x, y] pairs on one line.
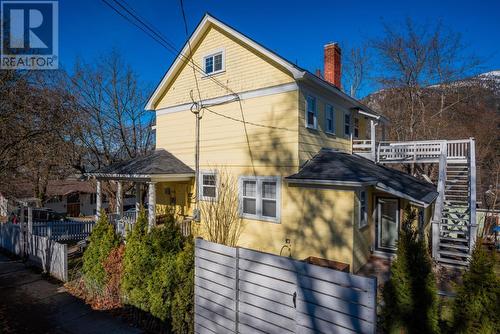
[[63, 230], [246, 291]]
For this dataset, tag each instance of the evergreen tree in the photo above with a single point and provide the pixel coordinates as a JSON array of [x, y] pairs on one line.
[[476, 308], [183, 299], [102, 241], [410, 295], [137, 264]]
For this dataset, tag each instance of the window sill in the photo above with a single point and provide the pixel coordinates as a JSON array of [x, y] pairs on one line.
[[331, 134], [263, 219], [207, 76], [312, 127]]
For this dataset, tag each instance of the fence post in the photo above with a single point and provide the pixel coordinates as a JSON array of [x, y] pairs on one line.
[[236, 290]]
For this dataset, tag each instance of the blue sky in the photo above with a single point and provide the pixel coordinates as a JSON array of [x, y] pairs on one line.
[[296, 30]]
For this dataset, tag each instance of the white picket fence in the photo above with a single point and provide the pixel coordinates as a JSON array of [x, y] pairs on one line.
[[63, 230], [48, 254], [238, 290]]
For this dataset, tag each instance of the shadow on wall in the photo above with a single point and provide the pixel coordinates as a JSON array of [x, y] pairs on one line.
[[316, 220]]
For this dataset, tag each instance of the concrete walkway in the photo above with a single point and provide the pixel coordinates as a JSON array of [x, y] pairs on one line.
[[30, 303]]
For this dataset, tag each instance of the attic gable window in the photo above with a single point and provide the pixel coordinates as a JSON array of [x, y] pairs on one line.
[[214, 63]]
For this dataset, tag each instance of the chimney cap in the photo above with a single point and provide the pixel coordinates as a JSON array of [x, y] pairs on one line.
[[331, 44]]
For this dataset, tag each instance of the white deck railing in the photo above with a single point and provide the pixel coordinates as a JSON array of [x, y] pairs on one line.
[[413, 151]]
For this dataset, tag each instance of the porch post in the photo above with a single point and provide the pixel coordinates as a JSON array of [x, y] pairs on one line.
[[119, 198], [372, 139], [151, 205], [138, 196], [98, 200]]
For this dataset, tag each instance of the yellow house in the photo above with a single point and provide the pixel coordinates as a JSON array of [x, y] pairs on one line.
[[285, 136]]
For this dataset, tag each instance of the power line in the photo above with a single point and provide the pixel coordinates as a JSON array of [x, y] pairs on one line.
[[158, 37]]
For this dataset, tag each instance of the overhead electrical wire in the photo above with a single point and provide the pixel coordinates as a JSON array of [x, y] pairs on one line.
[[146, 27]]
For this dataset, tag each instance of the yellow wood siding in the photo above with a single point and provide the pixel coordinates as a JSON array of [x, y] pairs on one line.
[[245, 70], [225, 141], [312, 140]]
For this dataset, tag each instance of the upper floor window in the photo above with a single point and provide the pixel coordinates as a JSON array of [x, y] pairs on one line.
[[329, 119], [260, 198], [214, 63], [356, 127], [363, 214], [208, 185], [311, 112], [347, 124]]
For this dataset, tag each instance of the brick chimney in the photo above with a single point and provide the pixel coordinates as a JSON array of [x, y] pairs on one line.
[[332, 64]]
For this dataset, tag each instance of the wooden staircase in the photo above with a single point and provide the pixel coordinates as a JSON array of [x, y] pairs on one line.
[[454, 221]]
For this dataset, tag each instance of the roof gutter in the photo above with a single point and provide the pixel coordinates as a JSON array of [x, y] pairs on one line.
[[329, 182]]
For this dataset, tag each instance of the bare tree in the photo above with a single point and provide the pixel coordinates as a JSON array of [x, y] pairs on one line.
[[356, 65], [112, 124], [418, 68], [220, 216]]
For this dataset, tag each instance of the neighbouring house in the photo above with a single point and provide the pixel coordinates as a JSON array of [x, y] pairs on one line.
[[312, 174], [70, 197]]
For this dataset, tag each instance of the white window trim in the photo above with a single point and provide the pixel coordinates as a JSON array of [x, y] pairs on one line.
[[334, 120], [315, 126], [208, 172], [258, 205], [362, 215], [347, 113], [212, 54]]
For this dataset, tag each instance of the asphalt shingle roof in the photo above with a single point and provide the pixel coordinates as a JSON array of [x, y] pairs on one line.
[[339, 167], [158, 162]]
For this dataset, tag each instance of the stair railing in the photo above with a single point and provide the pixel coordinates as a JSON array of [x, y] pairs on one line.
[[438, 207], [472, 196]]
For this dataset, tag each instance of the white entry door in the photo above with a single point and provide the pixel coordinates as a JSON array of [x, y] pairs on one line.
[[387, 223]]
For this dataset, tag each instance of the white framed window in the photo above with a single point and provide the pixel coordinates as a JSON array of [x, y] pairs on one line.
[[347, 123], [214, 63], [260, 197], [329, 119], [208, 185], [356, 127], [362, 210], [311, 112]]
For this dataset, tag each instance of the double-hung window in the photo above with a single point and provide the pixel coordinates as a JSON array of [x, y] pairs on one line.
[[347, 123], [311, 112], [260, 198], [356, 127], [208, 186], [329, 119], [363, 213], [214, 63]]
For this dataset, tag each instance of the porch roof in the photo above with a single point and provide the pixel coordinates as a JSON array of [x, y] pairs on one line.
[[329, 167], [158, 165]]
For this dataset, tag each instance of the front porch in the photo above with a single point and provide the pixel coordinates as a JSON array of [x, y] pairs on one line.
[[162, 184]]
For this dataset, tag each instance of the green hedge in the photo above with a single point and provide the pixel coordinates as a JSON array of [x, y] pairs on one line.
[[102, 241], [158, 273]]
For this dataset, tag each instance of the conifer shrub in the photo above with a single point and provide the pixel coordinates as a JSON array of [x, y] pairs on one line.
[[476, 308], [137, 264], [102, 241], [183, 299], [410, 296], [150, 266]]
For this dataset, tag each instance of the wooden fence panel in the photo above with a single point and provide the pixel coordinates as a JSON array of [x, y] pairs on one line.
[[63, 230], [253, 292]]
